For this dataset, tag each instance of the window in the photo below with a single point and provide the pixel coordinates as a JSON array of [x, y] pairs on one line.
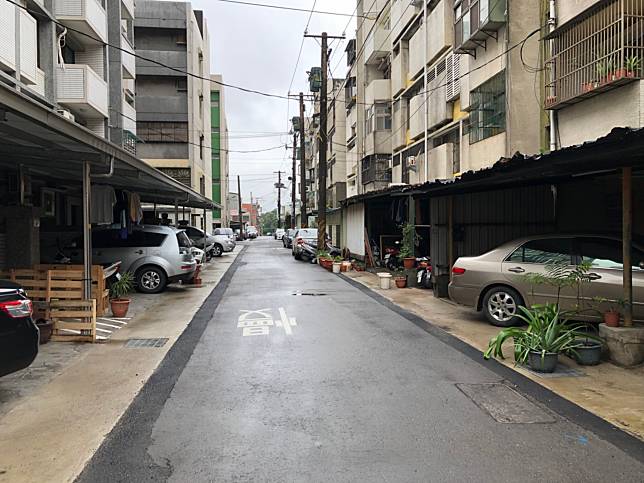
[[180, 37], [162, 132], [368, 123], [182, 85], [201, 140], [383, 117], [138, 238], [548, 250], [607, 253], [487, 104], [202, 185]]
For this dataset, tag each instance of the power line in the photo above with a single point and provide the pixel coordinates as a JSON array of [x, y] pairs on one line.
[[282, 7]]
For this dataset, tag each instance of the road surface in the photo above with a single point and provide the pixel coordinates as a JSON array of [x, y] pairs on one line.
[[291, 373]]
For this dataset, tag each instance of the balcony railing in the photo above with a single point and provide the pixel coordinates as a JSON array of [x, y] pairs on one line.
[[128, 59], [87, 16], [475, 22], [79, 87], [600, 50], [375, 168]]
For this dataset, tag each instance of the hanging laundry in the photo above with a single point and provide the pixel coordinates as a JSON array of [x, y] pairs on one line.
[[136, 212], [102, 203]]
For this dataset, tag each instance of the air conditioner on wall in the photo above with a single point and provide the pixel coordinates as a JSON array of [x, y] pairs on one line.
[[411, 160], [66, 114]]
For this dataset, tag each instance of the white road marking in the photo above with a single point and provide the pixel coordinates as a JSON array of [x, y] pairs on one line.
[[250, 331], [108, 325], [285, 321]]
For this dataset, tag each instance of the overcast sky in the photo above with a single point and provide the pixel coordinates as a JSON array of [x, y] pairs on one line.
[[257, 48]]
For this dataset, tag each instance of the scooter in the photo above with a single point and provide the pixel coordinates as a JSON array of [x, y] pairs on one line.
[[424, 272], [392, 260]]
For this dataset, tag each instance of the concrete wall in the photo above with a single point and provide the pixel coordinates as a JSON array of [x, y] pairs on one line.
[[568, 9], [353, 224], [596, 116]]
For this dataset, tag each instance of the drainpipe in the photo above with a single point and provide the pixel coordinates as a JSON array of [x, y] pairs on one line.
[[552, 23], [426, 96], [87, 232], [109, 173]]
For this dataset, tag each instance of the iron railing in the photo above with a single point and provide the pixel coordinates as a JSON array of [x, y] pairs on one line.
[[601, 49]]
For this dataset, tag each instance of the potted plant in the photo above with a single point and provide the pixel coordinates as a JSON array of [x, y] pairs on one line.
[[357, 265], [400, 278], [324, 259], [540, 343], [337, 264], [604, 70], [633, 66], [409, 240], [588, 352], [611, 314], [118, 290]]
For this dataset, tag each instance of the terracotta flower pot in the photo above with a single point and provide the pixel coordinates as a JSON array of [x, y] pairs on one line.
[[119, 307], [408, 263], [401, 282], [611, 318], [345, 266]]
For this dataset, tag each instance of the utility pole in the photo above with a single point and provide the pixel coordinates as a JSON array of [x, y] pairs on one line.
[[322, 139], [304, 221], [241, 218], [294, 179], [279, 187]]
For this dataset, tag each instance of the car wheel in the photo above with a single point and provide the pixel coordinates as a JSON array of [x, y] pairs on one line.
[[501, 306], [150, 280], [297, 256], [217, 250]]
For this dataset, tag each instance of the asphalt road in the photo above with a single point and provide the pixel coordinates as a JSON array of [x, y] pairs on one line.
[[325, 383]]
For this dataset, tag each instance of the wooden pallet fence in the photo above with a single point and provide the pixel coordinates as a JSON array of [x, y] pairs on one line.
[[46, 283], [74, 320]]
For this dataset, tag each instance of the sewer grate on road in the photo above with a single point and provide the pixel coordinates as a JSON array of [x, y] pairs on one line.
[[136, 343], [504, 404], [308, 294]]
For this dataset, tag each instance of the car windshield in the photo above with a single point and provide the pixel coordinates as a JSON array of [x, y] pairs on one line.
[[308, 233]]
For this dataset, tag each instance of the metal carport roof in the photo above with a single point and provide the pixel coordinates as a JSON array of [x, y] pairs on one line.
[[38, 138]]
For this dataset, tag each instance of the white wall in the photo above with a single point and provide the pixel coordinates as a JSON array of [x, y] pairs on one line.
[[354, 228]]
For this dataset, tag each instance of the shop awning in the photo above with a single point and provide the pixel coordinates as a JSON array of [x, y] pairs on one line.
[[36, 137]]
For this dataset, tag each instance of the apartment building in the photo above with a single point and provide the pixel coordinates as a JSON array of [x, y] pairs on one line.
[[219, 151], [68, 66], [336, 177], [173, 117], [594, 68]]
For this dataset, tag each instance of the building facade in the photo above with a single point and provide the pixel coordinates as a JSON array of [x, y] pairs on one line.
[[219, 151], [173, 113]]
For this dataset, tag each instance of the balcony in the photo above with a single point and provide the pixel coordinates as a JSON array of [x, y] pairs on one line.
[[7, 37], [416, 116], [87, 16], [598, 51], [39, 86], [128, 59], [128, 115], [375, 169], [377, 46], [127, 11], [28, 48], [477, 22], [378, 90], [82, 91], [441, 162]]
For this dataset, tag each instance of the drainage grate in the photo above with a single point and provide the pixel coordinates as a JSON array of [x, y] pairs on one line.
[[308, 294], [136, 343], [504, 404]]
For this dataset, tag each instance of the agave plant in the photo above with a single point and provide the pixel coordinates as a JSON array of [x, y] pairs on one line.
[[546, 332]]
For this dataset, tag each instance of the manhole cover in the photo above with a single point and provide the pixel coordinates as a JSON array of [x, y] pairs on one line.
[[135, 343], [504, 404]]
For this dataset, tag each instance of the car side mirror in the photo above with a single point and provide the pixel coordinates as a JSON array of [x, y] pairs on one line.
[[641, 265]]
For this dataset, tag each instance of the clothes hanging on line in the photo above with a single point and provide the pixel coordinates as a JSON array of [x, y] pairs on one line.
[[136, 211], [103, 199]]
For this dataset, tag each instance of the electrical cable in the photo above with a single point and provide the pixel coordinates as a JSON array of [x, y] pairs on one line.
[[281, 7]]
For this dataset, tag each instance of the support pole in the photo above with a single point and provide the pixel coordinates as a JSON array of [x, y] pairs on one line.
[[279, 199], [294, 179], [205, 239], [304, 221], [87, 232], [627, 235], [176, 212], [322, 146]]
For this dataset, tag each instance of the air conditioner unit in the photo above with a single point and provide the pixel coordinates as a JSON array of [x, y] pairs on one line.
[[66, 114], [411, 160]]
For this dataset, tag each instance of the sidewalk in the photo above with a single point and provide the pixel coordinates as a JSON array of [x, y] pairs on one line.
[[609, 391], [51, 431]]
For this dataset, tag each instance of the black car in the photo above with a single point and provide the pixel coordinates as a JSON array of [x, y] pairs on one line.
[[287, 239], [18, 333]]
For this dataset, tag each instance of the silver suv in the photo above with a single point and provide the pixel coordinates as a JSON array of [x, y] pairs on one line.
[[224, 241], [156, 255]]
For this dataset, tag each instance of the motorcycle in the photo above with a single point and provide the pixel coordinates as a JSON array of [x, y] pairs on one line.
[[392, 260], [424, 272]]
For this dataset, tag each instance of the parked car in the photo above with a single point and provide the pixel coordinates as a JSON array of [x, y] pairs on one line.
[[156, 255], [224, 242], [251, 232], [287, 239], [197, 238], [495, 282], [19, 335], [279, 233], [238, 235], [225, 231]]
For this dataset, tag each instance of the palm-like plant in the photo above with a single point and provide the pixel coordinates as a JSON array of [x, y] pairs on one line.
[[123, 286], [546, 332]]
